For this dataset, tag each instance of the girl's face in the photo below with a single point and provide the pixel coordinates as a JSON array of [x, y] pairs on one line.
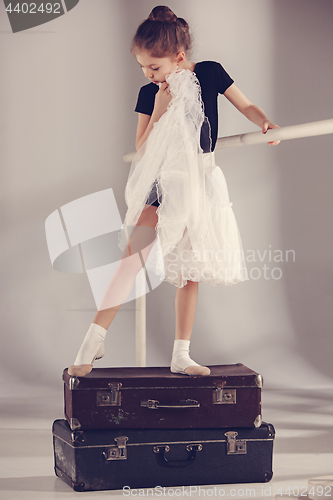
[[156, 69]]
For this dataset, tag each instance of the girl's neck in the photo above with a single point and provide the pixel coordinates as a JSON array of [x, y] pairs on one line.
[[187, 65]]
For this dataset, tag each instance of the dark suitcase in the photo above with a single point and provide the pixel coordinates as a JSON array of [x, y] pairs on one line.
[[156, 458], [153, 397]]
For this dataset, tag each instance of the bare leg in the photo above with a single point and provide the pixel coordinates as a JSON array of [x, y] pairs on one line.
[[148, 218], [122, 281], [185, 306]]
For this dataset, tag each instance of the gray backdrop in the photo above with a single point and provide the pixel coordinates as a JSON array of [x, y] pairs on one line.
[[68, 94]]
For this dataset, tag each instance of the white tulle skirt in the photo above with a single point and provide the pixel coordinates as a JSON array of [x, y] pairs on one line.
[[197, 236]]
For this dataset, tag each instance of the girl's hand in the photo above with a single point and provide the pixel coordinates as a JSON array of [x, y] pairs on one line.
[[266, 126], [162, 99]]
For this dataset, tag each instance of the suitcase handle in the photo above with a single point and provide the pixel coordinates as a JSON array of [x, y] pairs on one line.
[[162, 460], [152, 404]]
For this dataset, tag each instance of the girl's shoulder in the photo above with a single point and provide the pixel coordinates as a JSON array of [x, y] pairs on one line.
[[213, 77], [149, 88], [146, 98], [208, 66], [207, 63]]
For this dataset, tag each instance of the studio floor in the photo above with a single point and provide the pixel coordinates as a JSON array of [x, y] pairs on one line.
[[303, 449]]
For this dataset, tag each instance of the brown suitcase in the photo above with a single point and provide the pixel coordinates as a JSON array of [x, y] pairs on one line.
[[153, 397]]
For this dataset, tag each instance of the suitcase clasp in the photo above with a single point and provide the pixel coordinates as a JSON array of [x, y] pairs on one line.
[[117, 451], [235, 446], [222, 396], [110, 398]]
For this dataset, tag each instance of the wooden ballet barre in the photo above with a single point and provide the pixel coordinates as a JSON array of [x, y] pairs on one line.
[[277, 134], [310, 129]]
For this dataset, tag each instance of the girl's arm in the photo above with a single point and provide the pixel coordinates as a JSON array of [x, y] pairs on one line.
[[146, 122], [142, 130], [251, 111]]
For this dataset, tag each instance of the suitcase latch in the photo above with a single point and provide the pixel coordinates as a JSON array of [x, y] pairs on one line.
[[118, 451], [223, 396], [110, 398], [235, 446]]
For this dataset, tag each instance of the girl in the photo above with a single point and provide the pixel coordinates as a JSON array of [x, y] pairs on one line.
[[174, 187]]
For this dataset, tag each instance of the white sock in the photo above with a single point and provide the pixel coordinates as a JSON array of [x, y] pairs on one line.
[[93, 344], [181, 360], [181, 355]]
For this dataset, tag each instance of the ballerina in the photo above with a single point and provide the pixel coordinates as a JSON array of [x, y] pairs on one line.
[[175, 192]]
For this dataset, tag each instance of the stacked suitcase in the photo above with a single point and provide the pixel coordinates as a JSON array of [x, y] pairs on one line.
[[146, 427]]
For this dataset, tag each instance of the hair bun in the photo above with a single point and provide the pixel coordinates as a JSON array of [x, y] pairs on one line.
[[162, 13]]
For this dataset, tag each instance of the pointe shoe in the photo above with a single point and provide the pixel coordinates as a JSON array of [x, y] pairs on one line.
[[191, 370], [82, 370]]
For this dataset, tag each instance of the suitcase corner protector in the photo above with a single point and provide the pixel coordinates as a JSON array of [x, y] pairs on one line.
[[268, 476], [259, 380], [258, 421], [74, 424]]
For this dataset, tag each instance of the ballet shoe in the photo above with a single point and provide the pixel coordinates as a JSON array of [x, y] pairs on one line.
[[191, 370], [197, 370], [82, 370]]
